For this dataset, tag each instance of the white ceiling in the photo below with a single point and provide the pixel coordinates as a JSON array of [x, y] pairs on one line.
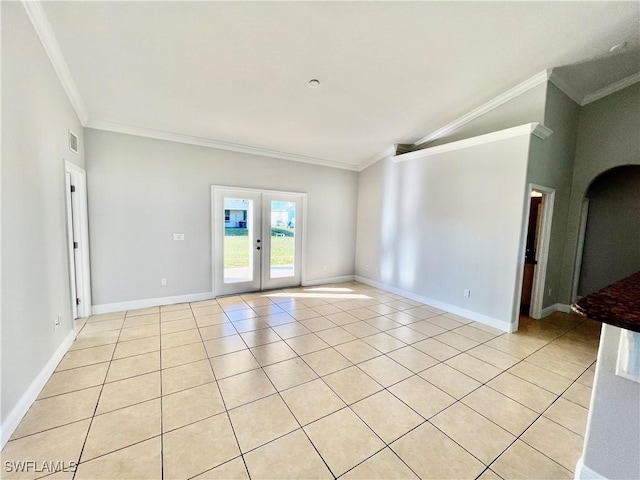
[[390, 72]]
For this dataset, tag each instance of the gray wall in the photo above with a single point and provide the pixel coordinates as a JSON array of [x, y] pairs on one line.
[[551, 165], [142, 190], [35, 281], [612, 240], [608, 136], [436, 226]]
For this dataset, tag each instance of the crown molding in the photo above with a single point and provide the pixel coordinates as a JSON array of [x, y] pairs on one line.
[[207, 142], [526, 129], [541, 131], [613, 88], [47, 38], [390, 151], [510, 94]]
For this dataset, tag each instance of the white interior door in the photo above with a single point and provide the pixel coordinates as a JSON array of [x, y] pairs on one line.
[[71, 242], [257, 240]]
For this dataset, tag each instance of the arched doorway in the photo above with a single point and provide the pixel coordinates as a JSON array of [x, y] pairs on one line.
[[611, 248]]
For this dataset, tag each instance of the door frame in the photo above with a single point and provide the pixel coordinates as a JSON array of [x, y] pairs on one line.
[[77, 219], [302, 229], [542, 253], [582, 231]]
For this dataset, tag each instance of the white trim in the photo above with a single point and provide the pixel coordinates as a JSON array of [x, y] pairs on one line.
[[324, 281], [208, 142], [150, 302], [303, 257], [478, 317], [386, 153], [526, 129], [51, 46], [598, 94], [556, 307], [31, 394], [79, 178], [542, 132], [585, 473], [545, 312], [613, 88], [542, 254], [582, 231], [492, 104]]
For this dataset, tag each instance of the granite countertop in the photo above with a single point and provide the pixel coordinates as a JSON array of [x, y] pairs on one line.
[[618, 304]]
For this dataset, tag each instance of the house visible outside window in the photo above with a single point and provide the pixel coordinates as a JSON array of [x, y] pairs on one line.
[[227, 215]]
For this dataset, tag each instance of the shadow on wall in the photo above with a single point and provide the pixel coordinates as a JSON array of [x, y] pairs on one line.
[[612, 237]]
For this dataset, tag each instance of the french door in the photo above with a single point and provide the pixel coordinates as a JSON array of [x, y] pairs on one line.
[[257, 239]]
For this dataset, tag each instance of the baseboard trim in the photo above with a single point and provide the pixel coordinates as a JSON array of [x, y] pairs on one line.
[[564, 308], [585, 473], [324, 281], [22, 407], [545, 312], [478, 317], [556, 307], [150, 302]]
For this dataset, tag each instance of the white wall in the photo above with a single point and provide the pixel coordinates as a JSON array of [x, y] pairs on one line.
[[436, 226], [143, 190], [35, 281]]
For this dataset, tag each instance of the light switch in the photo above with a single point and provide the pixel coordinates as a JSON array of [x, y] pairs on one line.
[[178, 236]]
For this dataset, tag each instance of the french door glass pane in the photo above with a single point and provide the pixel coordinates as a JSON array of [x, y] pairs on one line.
[[283, 225], [238, 240]]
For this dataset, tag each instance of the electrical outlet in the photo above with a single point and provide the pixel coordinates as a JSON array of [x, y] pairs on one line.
[[178, 237], [324, 267], [163, 282], [467, 293], [57, 321], [549, 292]]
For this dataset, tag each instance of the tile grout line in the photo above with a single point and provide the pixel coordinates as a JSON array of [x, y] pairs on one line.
[[518, 437], [161, 402], [86, 438], [315, 333], [224, 404], [290, 411]]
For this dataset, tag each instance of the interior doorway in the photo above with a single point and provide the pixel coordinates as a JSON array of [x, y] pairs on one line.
[[78, 240], [536, 249], [530, 258], [257, 239]]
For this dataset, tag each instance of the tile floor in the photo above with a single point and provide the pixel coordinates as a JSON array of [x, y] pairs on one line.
[[336, 381]]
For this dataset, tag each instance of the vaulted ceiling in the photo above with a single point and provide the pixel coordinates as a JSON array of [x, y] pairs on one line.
[[237, 73]]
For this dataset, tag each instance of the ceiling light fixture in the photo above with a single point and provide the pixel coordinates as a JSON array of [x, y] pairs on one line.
[[618, 47], [314, 83]]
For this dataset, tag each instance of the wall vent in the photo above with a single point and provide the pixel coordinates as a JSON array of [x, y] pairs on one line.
[[73, 142]]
